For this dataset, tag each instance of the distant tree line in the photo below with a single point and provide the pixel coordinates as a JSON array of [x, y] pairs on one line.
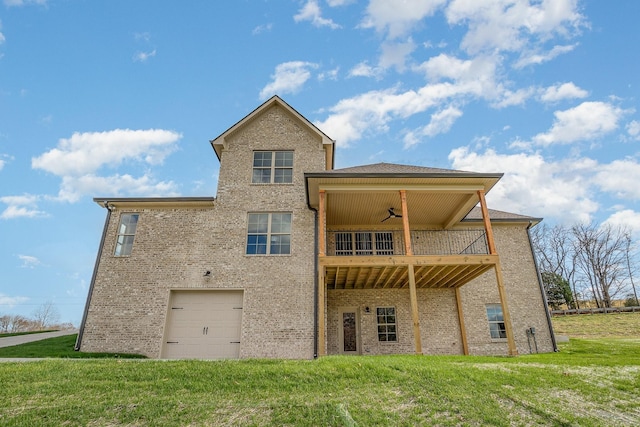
[[587, 264], [44, 317]]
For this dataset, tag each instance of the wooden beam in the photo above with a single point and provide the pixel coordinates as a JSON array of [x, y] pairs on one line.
[[322, 217], [487, 223], [463, 330], [506, 315], [413, 296], [398, 260], [322, 343], [378, 188], [405, 223]]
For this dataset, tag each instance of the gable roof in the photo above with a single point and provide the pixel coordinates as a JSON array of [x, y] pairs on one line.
[[328, 143]]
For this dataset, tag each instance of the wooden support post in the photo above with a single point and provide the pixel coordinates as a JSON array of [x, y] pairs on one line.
[[322, 217], [405, 223], [322, 286], [463, 330], [506, 315], [414, 309], [413, 295], [487, 222]]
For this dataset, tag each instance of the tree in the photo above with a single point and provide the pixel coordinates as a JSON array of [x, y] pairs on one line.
[[601, 258], [555, 253], [46, 315], [557, 290]]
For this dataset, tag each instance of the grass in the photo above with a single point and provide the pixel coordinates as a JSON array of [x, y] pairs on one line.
[[591, 382], [596, 326], [58, 347]]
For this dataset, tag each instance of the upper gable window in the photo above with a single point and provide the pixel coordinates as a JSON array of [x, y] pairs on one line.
[[126, 233], [272, 167]]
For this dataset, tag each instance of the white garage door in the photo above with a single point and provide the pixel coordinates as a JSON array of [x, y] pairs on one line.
[[203, 325]]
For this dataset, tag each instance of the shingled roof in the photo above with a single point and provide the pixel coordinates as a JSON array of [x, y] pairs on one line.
[[476, 215], [396, 169]]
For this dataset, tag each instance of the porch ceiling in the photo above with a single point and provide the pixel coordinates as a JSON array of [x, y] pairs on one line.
[[431, 202], [395, 276]]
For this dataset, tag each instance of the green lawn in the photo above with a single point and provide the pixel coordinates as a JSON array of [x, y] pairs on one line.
[[612, 325], [591, 382], [55, 347]]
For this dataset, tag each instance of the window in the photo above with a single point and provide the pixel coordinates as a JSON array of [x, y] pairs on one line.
[[126, 233], [387, 324], [269, 234], [496, 321], [366, 243], [272, 167]]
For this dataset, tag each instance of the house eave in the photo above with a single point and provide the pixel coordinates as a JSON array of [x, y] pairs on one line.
[[156, 202]]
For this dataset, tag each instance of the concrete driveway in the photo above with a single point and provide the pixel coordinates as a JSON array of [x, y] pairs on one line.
[[22, 339]]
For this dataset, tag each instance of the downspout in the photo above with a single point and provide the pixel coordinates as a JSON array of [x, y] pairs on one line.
[[544, 294], [315, 281], [93, 276]]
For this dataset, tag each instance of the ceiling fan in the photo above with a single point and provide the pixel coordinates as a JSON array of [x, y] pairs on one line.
[[392, 214]]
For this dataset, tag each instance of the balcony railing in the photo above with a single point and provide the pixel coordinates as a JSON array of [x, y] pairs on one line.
[[423, 242]]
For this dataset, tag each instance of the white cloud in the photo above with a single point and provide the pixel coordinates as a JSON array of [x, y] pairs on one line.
[[2, 39], [620, 178], [85, 153], [262, 29], [143, 56], [77, 159], [510, 98], [10, 3], [509, 25], [633, 129], [289, 77], [562, 91], [10, 302], [311, 12], [25, 206], [395, 54], [74, 187], [29, 261], [625, 218], [329, 75], [534, 58], [533, 186], [397, 17], [587, 121], [365, 70], [441, 122], [334, 3]]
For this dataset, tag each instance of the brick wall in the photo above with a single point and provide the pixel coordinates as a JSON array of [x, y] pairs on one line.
[[174, 247]]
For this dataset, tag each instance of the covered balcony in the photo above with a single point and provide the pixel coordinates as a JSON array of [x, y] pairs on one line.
[[392, 226]]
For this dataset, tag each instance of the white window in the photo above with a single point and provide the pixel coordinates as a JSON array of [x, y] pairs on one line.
[[272, 167], [269, 234], [126, 233], [496, 321], [387, 325], [366, 243]]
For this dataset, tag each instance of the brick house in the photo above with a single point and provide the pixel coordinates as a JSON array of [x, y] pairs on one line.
[[296, 259]]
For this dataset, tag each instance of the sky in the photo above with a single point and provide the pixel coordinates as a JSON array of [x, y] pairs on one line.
[[121, 98]]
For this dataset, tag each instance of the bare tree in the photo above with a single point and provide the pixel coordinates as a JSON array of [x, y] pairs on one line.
[[629, 250], [555, 253], [46, 315], [601, 259], [5, 322]]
